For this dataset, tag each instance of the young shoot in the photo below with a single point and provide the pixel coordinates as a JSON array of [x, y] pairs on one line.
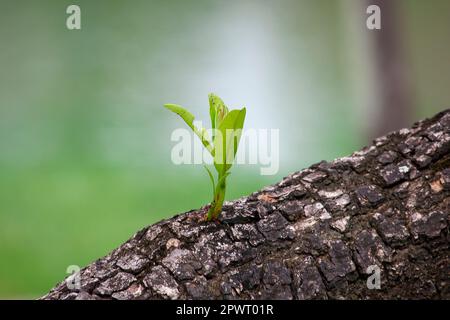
[[226, 131]]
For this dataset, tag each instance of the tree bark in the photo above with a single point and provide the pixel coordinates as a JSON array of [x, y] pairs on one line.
[[317, 234]]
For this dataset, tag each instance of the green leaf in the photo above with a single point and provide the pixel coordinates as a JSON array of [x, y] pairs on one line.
[[220, 109], [227, 143], [239, 125], [189, 119], [183, 113], [212, 111]]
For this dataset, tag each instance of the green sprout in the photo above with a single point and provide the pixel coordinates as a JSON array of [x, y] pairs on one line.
[[226, 133]]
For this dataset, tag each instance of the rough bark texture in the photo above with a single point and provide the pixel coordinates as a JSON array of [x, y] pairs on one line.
[[311, 236]]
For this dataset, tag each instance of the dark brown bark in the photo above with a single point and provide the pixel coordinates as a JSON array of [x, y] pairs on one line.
[[311, 236]]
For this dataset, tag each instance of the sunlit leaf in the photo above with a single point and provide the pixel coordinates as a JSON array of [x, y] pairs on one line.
[[227, 140], [189, 119]]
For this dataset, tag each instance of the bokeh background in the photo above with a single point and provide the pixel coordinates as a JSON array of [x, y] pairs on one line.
[[84, 140]]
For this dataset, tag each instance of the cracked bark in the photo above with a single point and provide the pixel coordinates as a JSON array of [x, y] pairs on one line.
[[311, 236]]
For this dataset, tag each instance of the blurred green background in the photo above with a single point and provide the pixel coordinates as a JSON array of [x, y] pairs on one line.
[[84, 140]]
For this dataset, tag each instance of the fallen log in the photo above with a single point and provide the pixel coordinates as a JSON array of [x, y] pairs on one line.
[[320, 233]]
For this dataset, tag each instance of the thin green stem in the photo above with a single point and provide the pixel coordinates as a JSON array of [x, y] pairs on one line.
[[219, 197]]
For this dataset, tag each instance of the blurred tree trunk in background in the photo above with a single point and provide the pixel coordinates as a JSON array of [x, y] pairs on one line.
[[392, 72]]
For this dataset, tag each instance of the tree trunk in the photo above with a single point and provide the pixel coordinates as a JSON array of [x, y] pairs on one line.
[[392, 70], [319, 233]]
